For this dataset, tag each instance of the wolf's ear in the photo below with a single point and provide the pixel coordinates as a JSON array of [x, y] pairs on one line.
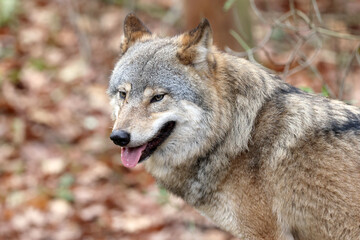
[[195, 45], [134, 30]]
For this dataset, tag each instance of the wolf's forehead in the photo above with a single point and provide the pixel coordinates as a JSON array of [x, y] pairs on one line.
[[133, 65], [154, 64]]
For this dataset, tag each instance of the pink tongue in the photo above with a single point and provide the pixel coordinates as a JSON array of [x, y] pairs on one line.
[[131, 156]]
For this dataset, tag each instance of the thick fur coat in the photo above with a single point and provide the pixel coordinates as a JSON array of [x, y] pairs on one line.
[[262, 159]]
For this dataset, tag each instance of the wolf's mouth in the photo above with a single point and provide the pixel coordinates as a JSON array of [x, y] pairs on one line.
[[130, 157]]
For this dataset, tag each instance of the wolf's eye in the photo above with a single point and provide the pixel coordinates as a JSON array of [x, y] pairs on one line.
[[122, 95], [157, 98]]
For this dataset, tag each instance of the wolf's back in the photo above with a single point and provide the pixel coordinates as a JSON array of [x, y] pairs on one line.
[[261, 158]]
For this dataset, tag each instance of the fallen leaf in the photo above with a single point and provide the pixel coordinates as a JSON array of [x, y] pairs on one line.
[[92, 212], [59, 210], [53, 165], [35, 217], [33, 79], [96, 172], [74, 69]]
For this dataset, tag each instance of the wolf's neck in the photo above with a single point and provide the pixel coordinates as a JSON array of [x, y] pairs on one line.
[[253, 87], [242, 94]]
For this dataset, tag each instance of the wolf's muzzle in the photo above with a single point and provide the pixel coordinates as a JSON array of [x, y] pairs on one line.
[[120, 137]]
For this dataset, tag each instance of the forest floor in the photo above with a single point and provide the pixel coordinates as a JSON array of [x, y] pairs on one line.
[[60, 175]]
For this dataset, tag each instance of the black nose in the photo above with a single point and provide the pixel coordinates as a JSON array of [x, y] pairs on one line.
[[120, 137]]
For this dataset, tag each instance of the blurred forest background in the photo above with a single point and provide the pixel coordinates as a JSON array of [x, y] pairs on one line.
[[60, 175]]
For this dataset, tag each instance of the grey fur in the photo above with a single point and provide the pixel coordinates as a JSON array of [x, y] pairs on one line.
[[150, 64], [261, 158]]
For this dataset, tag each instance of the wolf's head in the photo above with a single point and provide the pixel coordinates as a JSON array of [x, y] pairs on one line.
[[166, 103]]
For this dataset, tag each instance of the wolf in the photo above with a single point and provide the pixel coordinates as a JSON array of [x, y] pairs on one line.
[[261, 158]]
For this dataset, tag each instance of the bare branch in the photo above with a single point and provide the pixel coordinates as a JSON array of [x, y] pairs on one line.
[[292, 10], [269, 57], [292, 56], [254, 49], [316, 9], [299, 24], [346, 72], [358, 54], [337, 34], [84, 44], [258, 13], [309, 60]]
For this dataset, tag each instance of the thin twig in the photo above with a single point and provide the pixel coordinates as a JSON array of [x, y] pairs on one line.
[[326, 31], [287, 15], [292, 10], [346, 72], [258, 14], [254, 49], [292, 56], [82, 37], [358, 54], [337, 34], [315, 70], [235, 53], [291, 21], [321, 30], [243, 44], [309, 60], [269, 57], [316, 9]]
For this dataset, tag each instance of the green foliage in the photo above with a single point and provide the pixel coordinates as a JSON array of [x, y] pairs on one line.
[[66, 180], [153, 10], [242, 18], [325, 91], [6, 51], [307, 89], [39, 64], [228, 4], [65, 194], [191, 226], [163, 197], [277, 34], [14, 76], [63, 191], [117, 2], [240, 40], [8, 11]]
